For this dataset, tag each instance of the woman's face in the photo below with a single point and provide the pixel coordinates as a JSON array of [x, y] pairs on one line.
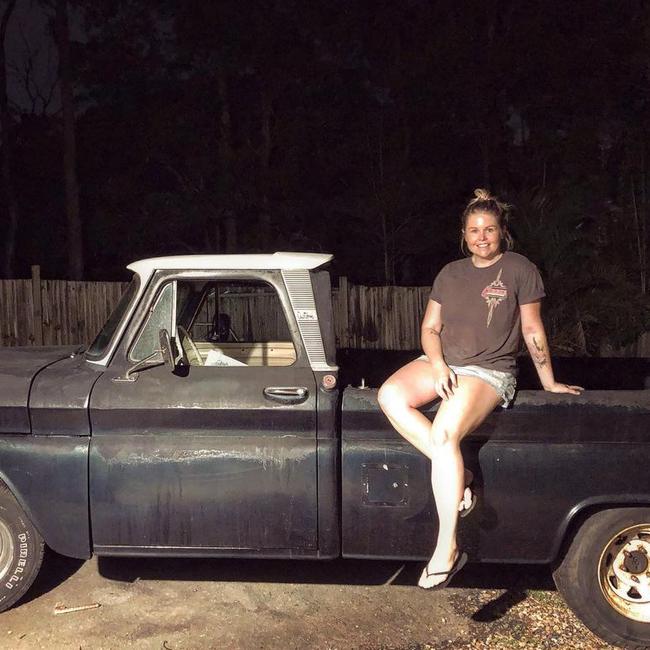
[[483, 235]]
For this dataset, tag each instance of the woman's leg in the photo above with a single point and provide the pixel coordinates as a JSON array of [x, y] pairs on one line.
[[473, 400], [399, 398]]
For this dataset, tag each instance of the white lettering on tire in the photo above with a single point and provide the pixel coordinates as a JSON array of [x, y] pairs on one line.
[[23, 555]]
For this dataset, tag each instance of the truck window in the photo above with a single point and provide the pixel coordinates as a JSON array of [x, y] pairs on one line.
[[99, 346], [221, 323]]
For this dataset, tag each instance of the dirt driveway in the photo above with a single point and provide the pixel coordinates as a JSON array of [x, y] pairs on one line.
[[181, 604]]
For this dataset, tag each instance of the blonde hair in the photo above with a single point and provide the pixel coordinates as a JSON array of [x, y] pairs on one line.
[[483, 201]]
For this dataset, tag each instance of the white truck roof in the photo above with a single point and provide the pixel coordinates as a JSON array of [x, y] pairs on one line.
[[276, 261]]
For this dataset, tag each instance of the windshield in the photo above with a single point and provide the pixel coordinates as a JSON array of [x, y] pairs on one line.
[[100, 344]]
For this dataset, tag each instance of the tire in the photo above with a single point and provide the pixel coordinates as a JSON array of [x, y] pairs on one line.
[[21, 550], [605, 576]]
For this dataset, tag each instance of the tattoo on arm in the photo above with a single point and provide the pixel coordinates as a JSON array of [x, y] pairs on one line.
[[539, 355]]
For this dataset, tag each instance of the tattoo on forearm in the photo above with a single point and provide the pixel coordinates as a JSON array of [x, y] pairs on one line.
[[539, 354]]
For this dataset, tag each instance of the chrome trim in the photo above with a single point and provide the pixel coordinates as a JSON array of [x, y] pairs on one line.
[[301, 296]]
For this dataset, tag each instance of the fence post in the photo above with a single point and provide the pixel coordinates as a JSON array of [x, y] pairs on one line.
[[344, 301], [37, 305]]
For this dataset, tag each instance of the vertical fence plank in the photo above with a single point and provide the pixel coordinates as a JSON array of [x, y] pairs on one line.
[[37, 306], [344, 322], [61, 313]]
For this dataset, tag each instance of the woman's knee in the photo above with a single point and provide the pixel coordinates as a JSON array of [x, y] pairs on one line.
[[390, 397], [446, 434]]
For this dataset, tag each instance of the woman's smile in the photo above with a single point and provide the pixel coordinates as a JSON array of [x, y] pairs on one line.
[[483, 236]]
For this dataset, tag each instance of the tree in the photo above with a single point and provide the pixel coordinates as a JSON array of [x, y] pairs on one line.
[[591, 299], [73, 217], [6, 125]]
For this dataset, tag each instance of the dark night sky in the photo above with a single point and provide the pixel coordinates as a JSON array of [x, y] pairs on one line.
[[359, 128]]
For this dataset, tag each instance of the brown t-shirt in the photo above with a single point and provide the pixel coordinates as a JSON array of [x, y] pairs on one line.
[[480, 310]]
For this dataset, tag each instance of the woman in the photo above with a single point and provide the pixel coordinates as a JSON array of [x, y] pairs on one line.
[[479, 308]]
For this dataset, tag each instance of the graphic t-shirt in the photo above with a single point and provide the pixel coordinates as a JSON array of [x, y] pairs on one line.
[[481, 324]]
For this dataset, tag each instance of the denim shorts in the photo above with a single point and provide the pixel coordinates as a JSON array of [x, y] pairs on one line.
[[503, 382]]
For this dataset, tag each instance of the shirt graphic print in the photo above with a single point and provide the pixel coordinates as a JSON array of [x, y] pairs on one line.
[[495, 293]]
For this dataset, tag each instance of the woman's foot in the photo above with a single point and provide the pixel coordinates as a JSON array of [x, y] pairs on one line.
[[468, 501], [439, 574]]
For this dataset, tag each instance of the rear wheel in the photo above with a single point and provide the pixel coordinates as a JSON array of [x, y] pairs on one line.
[[21, 550], [605, 575]]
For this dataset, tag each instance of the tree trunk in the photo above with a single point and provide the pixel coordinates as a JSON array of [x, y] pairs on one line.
[[230, 228], [224, 163], [264, 220], [224, 151], [484, 144], [74, 231], [385, 247], [6, 164], [267, 138], [641, 243]]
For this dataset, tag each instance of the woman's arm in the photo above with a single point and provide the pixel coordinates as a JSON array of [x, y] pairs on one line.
[[534, 335], [444, 376]]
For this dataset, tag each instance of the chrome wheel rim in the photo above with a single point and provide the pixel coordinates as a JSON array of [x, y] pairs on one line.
[[6, 549], [624, 572]]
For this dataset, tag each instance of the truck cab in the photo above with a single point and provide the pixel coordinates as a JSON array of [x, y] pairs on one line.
[[222, 453]]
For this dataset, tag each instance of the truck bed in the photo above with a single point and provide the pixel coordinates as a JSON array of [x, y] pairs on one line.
[[537, 467]]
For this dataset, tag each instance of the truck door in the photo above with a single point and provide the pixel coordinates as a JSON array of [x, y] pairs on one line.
[[220, 454]]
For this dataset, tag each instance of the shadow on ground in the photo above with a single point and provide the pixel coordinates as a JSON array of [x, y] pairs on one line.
[[56, 569], [513, 580], [352, 572]]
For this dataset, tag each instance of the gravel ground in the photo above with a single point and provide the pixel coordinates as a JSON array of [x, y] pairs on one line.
[[535, 620], [227, 604]]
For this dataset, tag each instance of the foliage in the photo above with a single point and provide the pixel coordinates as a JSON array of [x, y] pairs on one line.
[[360, 130], [592, 300]]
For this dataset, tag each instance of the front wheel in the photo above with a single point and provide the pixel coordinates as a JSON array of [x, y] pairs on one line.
[[605, 575], [21, 550]]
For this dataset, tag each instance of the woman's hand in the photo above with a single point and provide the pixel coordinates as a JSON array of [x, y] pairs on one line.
[[444, 379], [557, 387]]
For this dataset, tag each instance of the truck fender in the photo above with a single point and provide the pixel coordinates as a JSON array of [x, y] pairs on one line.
[[581, 511], [48, 477]]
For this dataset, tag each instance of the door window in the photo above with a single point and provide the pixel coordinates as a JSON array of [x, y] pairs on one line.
[[221, 323]]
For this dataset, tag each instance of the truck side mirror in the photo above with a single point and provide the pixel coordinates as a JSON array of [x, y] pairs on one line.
[[166, 348]]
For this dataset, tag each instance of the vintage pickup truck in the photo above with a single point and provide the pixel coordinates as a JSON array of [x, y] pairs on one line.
[[206, 419]]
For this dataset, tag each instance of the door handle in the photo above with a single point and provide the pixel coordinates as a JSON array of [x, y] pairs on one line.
[[286, 394]]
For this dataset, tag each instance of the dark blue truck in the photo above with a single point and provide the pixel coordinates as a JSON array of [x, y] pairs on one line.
[[206, 420]]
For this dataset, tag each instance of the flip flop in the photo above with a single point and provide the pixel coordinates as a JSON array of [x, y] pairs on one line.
[[460, 562], [465, 511]]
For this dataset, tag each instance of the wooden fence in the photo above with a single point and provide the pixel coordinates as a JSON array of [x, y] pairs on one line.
[[54, 312], [59, 312], [378, 318]]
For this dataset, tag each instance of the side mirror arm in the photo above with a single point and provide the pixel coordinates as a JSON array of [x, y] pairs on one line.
[[166, 349]]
